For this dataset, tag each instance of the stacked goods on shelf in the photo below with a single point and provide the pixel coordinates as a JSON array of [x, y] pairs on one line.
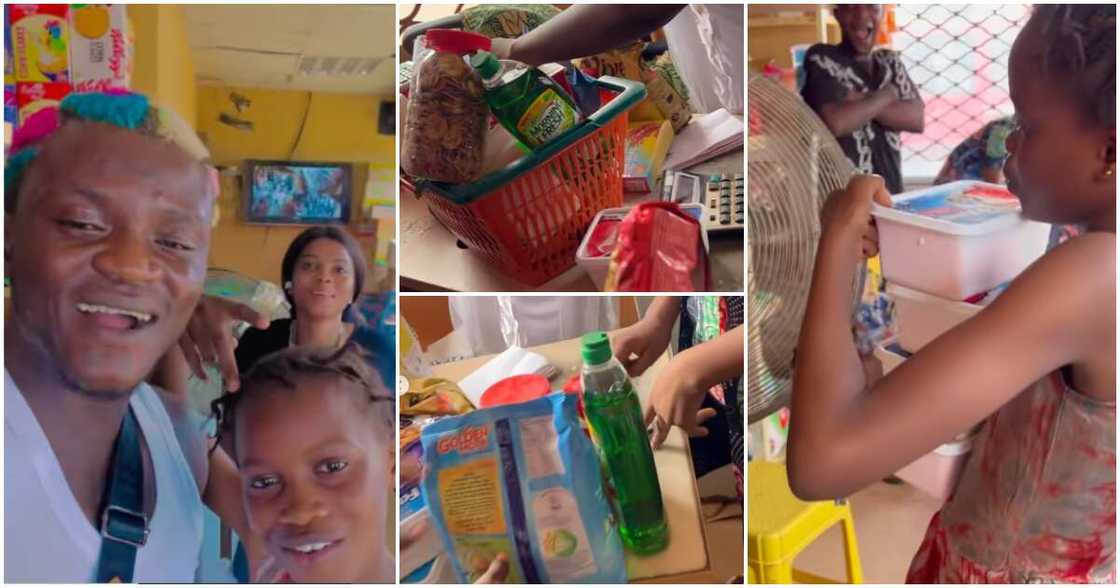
[[60, 48], [946, 251]]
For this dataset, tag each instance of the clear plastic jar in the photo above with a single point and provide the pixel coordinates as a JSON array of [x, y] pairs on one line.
[[444, 131]]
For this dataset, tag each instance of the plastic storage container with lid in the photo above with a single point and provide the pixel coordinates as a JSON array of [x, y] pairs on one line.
[[957, 239], [890, 355], [921, 318], [594, 253], [937, 472]]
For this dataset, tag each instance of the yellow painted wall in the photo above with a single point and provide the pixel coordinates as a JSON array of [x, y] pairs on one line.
[[774, 28], [163, 68], [338, 127]]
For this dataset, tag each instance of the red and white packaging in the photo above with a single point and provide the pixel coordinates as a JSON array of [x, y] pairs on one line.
[[660, 249], [31, 97], [100, 47]]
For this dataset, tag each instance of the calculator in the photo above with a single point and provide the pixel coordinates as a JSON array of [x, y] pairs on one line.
[[722, 196]]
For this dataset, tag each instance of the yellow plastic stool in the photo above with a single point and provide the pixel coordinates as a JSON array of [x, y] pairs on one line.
[[780, 526]]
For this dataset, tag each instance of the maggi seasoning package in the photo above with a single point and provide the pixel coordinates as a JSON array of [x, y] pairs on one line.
[[523, 480]]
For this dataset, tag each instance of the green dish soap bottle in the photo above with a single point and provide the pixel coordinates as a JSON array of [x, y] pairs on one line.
[[615, 416], [527, 102]]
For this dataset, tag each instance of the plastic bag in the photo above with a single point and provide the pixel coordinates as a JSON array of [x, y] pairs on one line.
[[660, 249], [492, 324], [523, 480], [445, 125], [434, 396]]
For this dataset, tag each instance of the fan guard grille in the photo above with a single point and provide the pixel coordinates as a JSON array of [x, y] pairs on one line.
[[793, 164]]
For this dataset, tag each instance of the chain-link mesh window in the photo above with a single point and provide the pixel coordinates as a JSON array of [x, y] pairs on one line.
[[957, 55]]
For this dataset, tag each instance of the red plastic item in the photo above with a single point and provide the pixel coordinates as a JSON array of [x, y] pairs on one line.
[[991, 192], [454, 41], [603, 238], [515, 389], [660, 249], [574, 385]]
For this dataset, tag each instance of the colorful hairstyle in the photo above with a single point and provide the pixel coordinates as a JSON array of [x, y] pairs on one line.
[[126, 110], [1079, 43], [285, 367]]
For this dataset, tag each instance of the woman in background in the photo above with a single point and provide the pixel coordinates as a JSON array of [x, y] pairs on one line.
[[323, 273]]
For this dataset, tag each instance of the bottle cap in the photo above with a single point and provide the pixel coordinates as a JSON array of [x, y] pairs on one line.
[[486, 64], [595, 347], [458, 42]]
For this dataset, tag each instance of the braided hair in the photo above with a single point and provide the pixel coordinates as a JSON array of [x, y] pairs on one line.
[[283, 369], [1079, 43]]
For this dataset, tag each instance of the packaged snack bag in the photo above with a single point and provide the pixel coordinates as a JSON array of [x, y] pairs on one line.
[[523, 480], [667, 92], [434, 396], [40, 42], [506, 20], [33, 97], [660, 249]]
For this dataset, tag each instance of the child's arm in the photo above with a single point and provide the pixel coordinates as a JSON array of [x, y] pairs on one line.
[[640, 344], [679, 390], [223, 495], [1060, 311]]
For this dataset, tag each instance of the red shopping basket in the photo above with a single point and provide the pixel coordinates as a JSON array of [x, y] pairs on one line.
[[528, 219]]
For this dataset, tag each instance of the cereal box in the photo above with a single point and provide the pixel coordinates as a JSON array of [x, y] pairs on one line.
[[40, 42], [647, 143], [11, 111], [100, 49], [33, 97]]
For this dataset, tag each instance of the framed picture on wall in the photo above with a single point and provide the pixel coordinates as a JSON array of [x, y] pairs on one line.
[[297, 193]]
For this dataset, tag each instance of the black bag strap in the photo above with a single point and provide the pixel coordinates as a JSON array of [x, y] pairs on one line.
[[124, 526]]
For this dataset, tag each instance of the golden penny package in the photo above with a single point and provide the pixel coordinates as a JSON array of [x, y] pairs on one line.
[[523, 480]]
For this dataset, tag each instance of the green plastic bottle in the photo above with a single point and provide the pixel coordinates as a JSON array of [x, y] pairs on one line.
[[615, 415], [527, 102]]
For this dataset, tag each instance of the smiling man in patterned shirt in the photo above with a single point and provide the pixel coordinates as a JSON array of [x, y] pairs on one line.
[[863, 94]]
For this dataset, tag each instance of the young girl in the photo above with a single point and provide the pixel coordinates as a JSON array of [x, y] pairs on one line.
[[312, 432], [1037, 499], [705, 375]]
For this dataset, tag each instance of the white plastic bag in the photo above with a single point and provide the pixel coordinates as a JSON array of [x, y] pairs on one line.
[[492, 324]]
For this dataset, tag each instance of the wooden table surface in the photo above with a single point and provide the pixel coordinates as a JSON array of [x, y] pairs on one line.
[[686, 557]]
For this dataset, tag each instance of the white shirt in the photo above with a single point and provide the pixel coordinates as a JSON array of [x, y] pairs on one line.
[[706, 45], [47, 537]]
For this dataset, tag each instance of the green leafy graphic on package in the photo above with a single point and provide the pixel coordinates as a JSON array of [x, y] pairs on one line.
[[560, 543], [507, 21]]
